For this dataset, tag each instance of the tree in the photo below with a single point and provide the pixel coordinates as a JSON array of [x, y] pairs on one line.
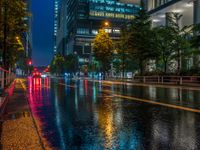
[[71, 63], [163, 44], [180, 41], [12, 25], [140, 43], [122, 58], [93, 66], [196, 36], [57, 64], [103, 49]]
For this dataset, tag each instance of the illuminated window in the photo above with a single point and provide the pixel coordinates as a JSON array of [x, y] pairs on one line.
[[109, 8], [108, 30], [119, 15], [95, 32], [110, 15], [82, 31], [116, 31]]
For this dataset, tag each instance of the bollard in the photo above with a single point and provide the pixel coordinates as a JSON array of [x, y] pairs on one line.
[[144, 80], [181, 81]]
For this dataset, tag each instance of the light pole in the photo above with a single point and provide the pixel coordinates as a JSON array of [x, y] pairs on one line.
[[77, 62], [106, 24]]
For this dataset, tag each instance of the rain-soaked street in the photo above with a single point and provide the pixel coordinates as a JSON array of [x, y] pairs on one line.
[[93, 115]]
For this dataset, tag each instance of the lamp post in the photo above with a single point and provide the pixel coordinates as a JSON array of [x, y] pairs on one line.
[[77, 62], [106, 24]]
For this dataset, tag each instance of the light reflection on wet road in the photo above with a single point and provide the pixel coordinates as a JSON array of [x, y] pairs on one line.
[[81, 115]]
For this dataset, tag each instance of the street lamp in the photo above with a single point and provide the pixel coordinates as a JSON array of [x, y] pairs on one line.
[[77, 62], [106, 23]]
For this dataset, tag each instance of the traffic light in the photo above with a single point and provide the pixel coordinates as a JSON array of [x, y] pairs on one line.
[[29, 62]]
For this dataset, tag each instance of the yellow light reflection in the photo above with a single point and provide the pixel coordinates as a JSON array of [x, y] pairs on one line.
[[106, 122]]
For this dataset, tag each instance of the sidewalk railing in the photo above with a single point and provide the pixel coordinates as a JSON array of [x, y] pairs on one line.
[[6, 77], [178, 80]]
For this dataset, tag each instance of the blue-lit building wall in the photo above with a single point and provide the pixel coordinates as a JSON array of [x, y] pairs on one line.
[[56, 23]]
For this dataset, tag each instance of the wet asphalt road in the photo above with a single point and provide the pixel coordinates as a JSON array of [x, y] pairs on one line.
[[91, 115]]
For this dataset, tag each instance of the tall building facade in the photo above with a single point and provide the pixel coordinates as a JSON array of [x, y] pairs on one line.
[[189, 9], [27, 36], [56, 16], [159, 9], [80, 20]]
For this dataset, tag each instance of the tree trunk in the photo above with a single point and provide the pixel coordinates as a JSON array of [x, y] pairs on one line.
[[179, 62], [141, 67], [165, 66], [104, 74]]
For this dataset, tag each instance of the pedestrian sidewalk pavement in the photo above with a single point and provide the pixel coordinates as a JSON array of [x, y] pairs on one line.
[[18, 129]]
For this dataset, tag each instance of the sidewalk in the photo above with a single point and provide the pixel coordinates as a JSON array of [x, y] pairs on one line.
[[18, 130]]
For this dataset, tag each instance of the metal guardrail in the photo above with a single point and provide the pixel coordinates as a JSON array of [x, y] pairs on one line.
[[178, 80], [6, 77]]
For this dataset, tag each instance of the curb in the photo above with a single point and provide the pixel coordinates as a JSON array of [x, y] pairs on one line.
[[32, 117], [8, 92]]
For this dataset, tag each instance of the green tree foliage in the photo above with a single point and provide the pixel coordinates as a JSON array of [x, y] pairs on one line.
[[12, 25], [140, 43], [93, 66], [195, 40], [180, 41], [57, 64], [103, 49], [163, 44], [61, 64], [122, 61], [71, 63]]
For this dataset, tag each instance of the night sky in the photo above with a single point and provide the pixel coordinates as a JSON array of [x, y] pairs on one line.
[[42, 30]]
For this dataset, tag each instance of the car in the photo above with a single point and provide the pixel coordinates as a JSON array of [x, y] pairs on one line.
[[45, 74], [36, 74]]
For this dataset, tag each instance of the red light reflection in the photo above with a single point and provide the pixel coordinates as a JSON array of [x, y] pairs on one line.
[[86, 86]]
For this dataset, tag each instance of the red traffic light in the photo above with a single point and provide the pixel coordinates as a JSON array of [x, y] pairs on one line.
[[29, 62]]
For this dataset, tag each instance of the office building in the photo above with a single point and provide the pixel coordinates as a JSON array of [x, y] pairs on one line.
[[189, 9], [79, 22], [55, 30], [159, 9], [27, 36]]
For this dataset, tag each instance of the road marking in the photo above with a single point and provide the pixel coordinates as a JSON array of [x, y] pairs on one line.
[[23, 85], [153, 102], [71, 86]]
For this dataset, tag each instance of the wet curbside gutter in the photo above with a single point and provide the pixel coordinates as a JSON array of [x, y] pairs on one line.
[[4, 96]]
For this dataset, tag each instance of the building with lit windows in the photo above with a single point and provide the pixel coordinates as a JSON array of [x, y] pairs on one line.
[[79, 22], [56, 15], [27, 36], [189, 9], [159, 9]]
